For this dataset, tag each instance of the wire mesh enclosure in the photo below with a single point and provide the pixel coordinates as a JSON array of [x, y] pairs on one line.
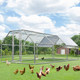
[[24, 46]]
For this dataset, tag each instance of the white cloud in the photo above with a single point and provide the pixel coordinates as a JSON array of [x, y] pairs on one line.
[[12, 19], [33, 22], [74, 15], [32, 8], [41, 23], [2, 31], [2, 28], [1, 1], [68, 30], [1, 18], [41, 6]]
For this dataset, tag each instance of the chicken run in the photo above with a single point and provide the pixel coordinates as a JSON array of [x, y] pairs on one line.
[[35, 48]]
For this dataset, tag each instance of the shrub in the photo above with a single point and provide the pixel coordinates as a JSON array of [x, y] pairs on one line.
[[24, 53], [30, 52], [10, 52], [72, 52], [3, 53], [79, 49], [42, 52], [6, 52], [17, 52]]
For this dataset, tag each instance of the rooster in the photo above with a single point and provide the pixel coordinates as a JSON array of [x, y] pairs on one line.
[[15, 72], [59, 68], [31, 67], [66, 67], [7, 62], [52, 66], [22, 71]]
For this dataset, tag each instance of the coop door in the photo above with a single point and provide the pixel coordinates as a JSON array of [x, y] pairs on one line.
[[62, 51]]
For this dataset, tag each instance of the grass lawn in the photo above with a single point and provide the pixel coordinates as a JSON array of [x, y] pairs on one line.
[[6, 72], [30, 58]]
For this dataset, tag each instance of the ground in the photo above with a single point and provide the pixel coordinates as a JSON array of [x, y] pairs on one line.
[[6, 72]]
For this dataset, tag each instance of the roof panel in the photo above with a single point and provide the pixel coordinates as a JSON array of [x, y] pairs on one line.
[[68, 41], [58, 40], [42, 38]]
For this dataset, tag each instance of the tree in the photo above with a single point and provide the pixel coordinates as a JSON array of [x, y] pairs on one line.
[[44, 50], [6, 52], [8, 40], [0, 42], [76, 39]]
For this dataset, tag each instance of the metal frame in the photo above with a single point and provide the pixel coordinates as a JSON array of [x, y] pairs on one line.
[[13, 46], [20, 46], [19, 32]]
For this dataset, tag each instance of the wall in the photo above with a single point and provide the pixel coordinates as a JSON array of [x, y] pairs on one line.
[[66, 50]]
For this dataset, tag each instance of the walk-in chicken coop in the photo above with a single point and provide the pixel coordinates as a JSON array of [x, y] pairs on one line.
[[24, 46]]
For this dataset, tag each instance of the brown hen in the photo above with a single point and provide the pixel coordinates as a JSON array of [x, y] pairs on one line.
[[22, 71]]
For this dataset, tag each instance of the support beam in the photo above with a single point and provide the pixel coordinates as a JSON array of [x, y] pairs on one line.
[[37, 49], [53, 51], [67, 56], [20, 47], [1, 52], [13, 46], [34, 53]]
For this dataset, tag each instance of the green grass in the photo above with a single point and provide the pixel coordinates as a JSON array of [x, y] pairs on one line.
[[6, 72], [30, 58]]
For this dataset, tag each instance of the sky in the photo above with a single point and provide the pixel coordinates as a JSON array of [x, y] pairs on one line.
[[57, 17]]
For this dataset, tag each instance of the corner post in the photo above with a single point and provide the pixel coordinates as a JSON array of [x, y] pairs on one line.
[[13, 46]]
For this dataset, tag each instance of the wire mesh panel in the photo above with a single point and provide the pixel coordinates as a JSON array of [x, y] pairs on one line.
[[6, 53], [23, 46]]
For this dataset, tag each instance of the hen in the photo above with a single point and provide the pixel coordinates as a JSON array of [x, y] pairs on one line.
[[47, 71], [76, 68], [32, 71], [39, 74], [44, 74], [15, 72], [42, 58], [66, 67], [42, 67], [59, 68], [31, 67], [7, 62], [52, 66], [47, 68], [22, 71]]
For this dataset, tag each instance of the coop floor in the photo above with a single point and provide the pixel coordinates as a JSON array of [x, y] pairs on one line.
[[46, 58]]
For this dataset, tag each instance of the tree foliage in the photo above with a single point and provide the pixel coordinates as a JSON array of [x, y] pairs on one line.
[[76, 39], [8, 40], [30, 50], [25, 49]]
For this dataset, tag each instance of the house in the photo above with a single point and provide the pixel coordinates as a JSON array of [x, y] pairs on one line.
[[69, 44]]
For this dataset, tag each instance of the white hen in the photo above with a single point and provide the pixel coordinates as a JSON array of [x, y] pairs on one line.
[[7, 62]]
